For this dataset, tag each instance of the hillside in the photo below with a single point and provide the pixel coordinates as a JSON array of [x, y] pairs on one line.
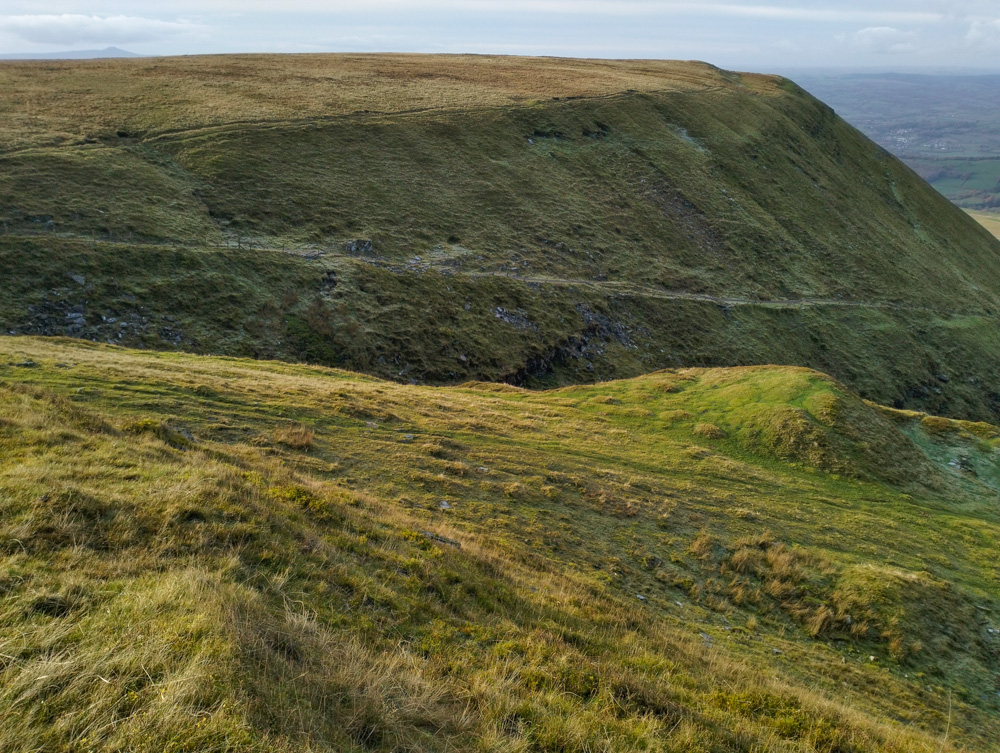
[[439, 219], [218, 554], [107, 52]]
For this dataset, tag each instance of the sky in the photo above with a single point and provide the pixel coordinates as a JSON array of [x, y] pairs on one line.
[[771, 35]]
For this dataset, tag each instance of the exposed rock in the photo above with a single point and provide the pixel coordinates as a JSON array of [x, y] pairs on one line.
[[360, 247], [962, 464], [517, 318], [605, 327], [441, 539], [58, 314], [599, 331]]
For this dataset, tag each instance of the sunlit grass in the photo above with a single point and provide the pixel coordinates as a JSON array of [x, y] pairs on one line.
[[445, 218], [212, 553]]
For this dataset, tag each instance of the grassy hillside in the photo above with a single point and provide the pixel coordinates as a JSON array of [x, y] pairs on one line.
[[438, 219], [217, 554]]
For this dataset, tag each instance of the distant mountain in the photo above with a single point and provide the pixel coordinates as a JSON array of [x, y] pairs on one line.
[[107, 52]]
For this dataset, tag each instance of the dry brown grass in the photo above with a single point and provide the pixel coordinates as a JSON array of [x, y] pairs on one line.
[[48, 103], [296, 436]]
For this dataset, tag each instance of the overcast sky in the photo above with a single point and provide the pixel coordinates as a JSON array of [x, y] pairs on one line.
[[739, 34]]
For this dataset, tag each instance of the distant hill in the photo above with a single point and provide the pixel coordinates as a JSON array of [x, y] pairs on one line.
[[107, 52], [447, 218]]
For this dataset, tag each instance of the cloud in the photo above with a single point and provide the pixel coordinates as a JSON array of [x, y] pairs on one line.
[[984, 34], [885, 40], [786, 46], [69, 29], [870, 12]]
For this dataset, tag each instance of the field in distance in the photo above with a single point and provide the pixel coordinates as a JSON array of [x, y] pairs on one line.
[[989, 220], [943, 126]]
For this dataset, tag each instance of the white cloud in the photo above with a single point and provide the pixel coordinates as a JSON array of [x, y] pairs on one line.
[[786, 46], [856, 11], [69, 29], [885, 40], [984, 34]]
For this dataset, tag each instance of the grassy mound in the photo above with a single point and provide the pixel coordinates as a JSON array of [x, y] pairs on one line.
[[210, 553], [915, 612], [794, 415], [442, 219]]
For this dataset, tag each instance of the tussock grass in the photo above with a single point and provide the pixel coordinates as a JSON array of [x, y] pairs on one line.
[[295, 436], [181, 570]]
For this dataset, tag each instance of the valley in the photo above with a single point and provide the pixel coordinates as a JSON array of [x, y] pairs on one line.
[[944, 126]]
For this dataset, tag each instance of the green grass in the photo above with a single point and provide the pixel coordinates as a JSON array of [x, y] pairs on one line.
[[218, 554], [433, 326], [593, 202], [969, 182]]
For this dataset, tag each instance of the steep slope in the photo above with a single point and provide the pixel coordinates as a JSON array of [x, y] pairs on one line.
[[445, 218], [214, 554]]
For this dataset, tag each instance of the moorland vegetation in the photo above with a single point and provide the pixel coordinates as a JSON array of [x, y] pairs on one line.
[[684, 538], [216, 554]]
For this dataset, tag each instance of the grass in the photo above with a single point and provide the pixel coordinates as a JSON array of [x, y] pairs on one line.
[[55, 103], [969, 182], [217, 554], [344, 311]]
